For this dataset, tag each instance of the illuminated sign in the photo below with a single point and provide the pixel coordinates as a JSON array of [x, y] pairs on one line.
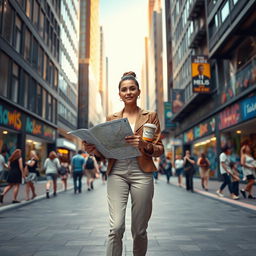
[[10, 118], [201, 74], [33, 126], [230, 116], [189, 136]]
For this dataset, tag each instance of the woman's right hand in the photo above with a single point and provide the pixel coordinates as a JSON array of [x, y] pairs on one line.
[[89, 148]]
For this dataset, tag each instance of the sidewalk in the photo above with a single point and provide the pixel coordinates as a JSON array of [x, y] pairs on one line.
[[182, 224]]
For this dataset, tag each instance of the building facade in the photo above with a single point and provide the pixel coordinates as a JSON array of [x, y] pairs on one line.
[[29, 61], [68, 77], [222, 31]]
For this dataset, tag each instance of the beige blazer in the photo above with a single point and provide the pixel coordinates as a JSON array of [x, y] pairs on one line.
[[145, 161]]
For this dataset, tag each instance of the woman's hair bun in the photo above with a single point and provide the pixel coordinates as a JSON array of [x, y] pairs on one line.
[[130, 73]]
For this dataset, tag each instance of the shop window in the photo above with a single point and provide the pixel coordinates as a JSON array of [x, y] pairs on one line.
[[39, 100], [28, 8], [27, 45], [4, 71], [25, 90], [35, 54], [36, 14], [224, 11], [14, 89], [8, 22], [17, 34]]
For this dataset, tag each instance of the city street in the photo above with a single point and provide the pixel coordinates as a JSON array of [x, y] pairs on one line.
[[182, 224]]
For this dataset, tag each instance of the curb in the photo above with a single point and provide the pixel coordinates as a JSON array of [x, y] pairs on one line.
[[24, 202]]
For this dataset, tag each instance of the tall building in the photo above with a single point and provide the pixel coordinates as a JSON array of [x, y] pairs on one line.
[[68, 77], [222, 31], [90, 108], [155, 61], [29, 71]]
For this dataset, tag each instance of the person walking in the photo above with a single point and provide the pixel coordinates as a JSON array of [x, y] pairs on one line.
[[132, 175], [168, 169], [3, 165], [204, 170], [103, 170], [156, 161], [226, 173], [31, 175], [91, 169], [179, 168], [249, 166], [15, 175], [51, 165], [63, 172], [234, 179], [189, 170], [77, 164]]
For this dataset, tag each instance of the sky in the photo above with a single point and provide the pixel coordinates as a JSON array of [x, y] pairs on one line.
[[125, 27]]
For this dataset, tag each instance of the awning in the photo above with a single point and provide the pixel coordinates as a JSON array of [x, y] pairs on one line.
[[63, 143]]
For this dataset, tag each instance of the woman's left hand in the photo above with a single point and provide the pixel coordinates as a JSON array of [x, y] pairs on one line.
[[136, 141]]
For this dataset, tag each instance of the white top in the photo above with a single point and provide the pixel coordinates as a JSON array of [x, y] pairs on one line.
[[179, 163], [132, 126], [2, 162], [249, 161], [52, 166], [224, 158]]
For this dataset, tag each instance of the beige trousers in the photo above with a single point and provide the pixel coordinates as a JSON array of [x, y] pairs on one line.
[[126, 178]]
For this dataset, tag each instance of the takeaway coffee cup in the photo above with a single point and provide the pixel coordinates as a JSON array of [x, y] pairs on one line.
[[148, 132]]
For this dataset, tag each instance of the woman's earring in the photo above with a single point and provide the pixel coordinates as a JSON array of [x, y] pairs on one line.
[[138, 97], [121, 99]]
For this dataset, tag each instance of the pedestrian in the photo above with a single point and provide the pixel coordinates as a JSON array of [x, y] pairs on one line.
[[15, 175], [51, 166], [31, 174], [234, 179], [132, 175], [179, 168], [226, 173], [63, 172], [77, 167], [103, 170], [189, 170], [155, 174], [204, 170], [168, 169], [3, 165], [91, 170], [249, 167]]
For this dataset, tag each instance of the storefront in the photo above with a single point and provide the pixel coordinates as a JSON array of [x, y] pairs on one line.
[[65, 148], [20, 130]]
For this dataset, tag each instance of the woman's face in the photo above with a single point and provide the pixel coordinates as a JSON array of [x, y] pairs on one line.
[[129, 92]]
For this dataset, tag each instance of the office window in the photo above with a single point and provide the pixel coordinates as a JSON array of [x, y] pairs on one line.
[[36, 14], [27, 45], [41, 24], [49, 108], [39, 100], [46, 34], [17, 34], [32, 95], [44, 103], [14, 89], [235, 1], [224, 11], [4, 71], [45, 69], [25, 90], [35, 53], [20, 2], [8, 22], [50, 75], [28, 8], [54, 112], [56, 78], [40, 61]]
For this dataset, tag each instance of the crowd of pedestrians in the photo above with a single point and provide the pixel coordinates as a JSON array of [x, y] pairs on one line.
[[15, 171], [187, 166]]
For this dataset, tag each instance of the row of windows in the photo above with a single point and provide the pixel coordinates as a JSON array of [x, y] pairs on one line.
[[221, 16], [184, 75], [45, 23], [19, 36], [67, 114], [21, 88]]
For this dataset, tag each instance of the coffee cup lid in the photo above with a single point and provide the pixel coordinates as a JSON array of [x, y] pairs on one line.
[[150, 125]]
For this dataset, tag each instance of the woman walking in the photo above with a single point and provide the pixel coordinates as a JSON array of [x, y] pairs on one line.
[[16, 172], [179, 168], [249, 167], [204, 170], [31, 176], [132, 175], [63, 172], [51, 166]]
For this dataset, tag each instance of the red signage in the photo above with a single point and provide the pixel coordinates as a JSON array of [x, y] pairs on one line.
[[230, 116]]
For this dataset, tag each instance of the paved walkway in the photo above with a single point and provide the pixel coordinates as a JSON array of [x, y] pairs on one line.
[[182, 224]]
